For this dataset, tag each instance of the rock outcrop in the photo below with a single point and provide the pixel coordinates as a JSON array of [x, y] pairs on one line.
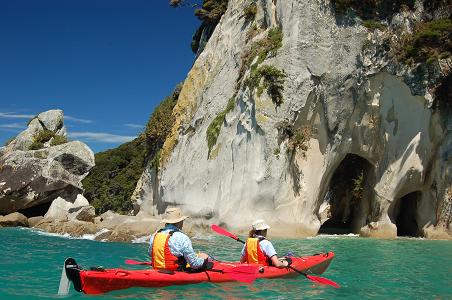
[[39, 165], [13, 220], [350, 129]]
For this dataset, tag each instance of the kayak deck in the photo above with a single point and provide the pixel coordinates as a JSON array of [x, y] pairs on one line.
[[101, 281]]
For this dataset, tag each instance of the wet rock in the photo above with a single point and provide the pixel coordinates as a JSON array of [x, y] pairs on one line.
[[380, 230]]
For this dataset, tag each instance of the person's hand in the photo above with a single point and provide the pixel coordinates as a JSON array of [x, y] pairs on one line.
[[287, 261], [203, 255]]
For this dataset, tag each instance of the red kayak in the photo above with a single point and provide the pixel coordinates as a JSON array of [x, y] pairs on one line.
[[99, 280]]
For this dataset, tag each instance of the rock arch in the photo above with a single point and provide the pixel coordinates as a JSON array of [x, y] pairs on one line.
[[346, 202]]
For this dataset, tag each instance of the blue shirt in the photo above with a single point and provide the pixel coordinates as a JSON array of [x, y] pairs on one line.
[[179, 245]]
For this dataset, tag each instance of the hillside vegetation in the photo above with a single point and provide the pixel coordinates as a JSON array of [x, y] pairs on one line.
[[112, 181]]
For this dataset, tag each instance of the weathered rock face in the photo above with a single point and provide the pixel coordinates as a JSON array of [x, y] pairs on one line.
[[33, 177], [13, 220], [377, 158]]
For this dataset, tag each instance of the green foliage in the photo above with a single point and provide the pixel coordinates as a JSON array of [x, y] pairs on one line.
[[358, 186], [429, 42], [250, 12], [210, 15], [40, 139], [298, 137], [213, 131], [262, 48], [161, 122], [272, 80], [372, 25], [212, 11], [372, 9], [113, 179], [58, 140]]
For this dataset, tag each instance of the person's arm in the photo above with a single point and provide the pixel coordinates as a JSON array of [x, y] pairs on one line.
[[269, 251], [195, 261], [242, 257], [278, 263], [151, 242]]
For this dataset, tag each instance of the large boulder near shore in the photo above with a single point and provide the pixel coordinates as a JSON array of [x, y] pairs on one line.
[[40, 165], [82, 213], [14, 219]]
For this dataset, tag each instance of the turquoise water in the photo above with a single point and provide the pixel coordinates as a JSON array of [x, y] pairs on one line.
[[30, 268]]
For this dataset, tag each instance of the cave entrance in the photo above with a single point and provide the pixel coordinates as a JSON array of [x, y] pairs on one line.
[[405, 215], [345, 196], [35, 211]]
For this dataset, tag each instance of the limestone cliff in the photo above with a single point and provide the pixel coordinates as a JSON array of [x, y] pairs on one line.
[[305, 117]]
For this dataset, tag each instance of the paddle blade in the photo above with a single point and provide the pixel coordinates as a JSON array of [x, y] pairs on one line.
[[220, 230], [322, 280], [134, 262]]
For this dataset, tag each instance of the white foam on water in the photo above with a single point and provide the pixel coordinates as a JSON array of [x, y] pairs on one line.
[[203, 237], [333, 236], [141, 240], [68, 236]]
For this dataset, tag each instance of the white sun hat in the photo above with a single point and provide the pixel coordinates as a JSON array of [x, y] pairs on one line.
[[260, 225], [173, 215]]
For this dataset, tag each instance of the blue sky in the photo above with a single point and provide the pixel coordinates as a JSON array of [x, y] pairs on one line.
[[105, 63]]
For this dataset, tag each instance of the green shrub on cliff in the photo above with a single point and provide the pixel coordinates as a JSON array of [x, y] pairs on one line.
[[213, 131], [209, 14], [372, 9], [40, 139], [58, 140], [113, 179], [272, 80], [429, 41], [250, 12]]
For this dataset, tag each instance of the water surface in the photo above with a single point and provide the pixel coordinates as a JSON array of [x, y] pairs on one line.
[[30, 268]]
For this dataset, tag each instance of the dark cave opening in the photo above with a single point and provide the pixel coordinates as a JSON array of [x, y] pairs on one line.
[[405, 215], [345, 195], [35, 211]]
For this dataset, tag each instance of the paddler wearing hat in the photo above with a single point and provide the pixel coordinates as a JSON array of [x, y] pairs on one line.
[[259, 250], [170, 249]]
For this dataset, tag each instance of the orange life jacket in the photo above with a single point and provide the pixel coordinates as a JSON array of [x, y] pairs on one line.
[[254, 254], [162, 258]]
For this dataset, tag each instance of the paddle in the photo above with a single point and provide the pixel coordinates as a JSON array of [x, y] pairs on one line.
[[316, 279], [245, 273]]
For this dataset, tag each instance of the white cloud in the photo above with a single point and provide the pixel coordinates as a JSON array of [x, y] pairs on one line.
[[74, 119], [134, 125], [101, 137], [13, 125], [12, 115]]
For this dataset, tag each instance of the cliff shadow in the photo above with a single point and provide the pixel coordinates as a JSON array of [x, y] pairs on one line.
[[348, 196], [403, 213]]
